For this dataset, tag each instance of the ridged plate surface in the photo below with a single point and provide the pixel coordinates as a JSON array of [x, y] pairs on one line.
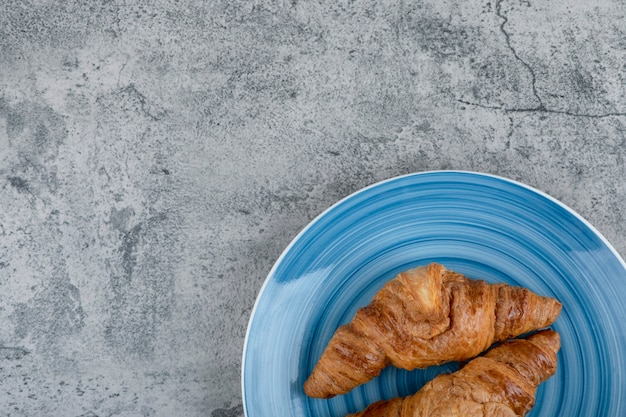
[[480, 225]]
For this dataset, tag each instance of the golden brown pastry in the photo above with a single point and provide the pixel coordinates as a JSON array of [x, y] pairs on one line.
[[502, 383], [426, 316]]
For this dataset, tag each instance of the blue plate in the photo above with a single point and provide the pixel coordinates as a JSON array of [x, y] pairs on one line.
[[480, 225]]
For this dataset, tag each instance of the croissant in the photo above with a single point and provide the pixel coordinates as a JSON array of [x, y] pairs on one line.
[[426, 316], [502, 383]]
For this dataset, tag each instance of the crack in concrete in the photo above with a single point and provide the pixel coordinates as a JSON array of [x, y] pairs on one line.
[[484, 106], [568, 113], [143, 102], [119, 74], [542, 110], [507, 37]]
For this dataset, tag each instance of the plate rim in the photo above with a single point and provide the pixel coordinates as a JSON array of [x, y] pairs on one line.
[[310, 224]]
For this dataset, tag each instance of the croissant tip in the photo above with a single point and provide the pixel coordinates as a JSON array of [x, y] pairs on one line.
[[312, 389], [556, 309], [547, 338], [309, 389]]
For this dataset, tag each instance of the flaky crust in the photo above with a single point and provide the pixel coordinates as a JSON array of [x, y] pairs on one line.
[[426, 316], [503, 383]]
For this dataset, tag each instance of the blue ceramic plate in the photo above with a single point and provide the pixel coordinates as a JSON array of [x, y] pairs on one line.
[[480, 225]]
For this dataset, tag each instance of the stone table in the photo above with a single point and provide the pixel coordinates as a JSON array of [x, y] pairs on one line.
[[157, 157]]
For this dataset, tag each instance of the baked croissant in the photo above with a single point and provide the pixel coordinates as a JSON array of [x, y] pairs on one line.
[[426, 316], [502, 383]]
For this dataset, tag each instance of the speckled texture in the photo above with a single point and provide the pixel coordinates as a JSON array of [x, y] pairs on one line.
[[156, 158]]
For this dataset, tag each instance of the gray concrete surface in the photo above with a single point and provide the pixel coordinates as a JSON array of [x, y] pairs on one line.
[[156, 157]]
